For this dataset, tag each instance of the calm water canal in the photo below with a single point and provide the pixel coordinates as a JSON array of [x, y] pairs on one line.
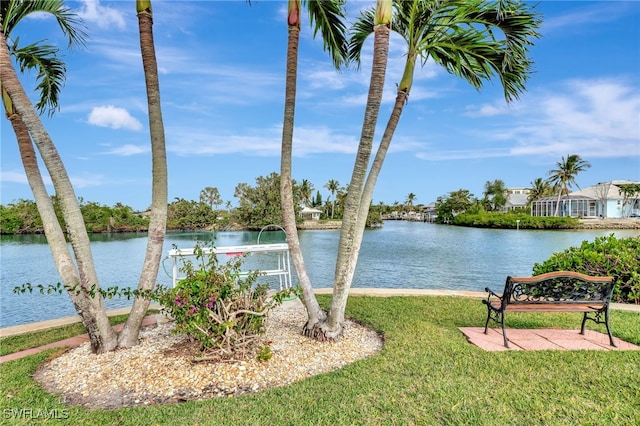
[[399, 255]]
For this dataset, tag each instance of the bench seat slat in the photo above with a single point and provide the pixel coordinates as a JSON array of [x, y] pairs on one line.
[[550, 307]]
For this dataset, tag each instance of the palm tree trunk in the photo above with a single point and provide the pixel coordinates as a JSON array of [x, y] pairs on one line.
[[52, 229], [558, 202], [367, 194], [158, 214], [103, 337], [314, 311], [349, 245]]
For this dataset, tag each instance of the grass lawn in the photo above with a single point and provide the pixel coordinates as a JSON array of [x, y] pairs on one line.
[[426, 374]]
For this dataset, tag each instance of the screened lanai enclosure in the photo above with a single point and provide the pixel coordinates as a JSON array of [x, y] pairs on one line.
[[570, 206]]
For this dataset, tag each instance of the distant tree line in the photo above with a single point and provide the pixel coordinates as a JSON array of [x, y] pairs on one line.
[[258, 206]]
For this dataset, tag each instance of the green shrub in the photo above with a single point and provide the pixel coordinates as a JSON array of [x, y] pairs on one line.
[[605, 256], [513, 221], [219, 305]]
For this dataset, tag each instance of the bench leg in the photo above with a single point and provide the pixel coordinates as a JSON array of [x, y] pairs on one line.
[[486, 324], [585, 317], [606, 323], [499, 316], [504, 332]]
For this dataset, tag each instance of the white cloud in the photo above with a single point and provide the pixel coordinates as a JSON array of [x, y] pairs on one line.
[[77, 182], [262, 142], [595, 118], [116, 118], [86, 181], [128, 150], [598, 118], [105, 17], [587, 16], [488, 110], [12, 176]]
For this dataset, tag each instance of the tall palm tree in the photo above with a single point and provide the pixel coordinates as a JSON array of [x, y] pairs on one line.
[[327, 17], [349, 243], [81, 275], [332, 185], [564, 176], [470, 39], [159, 192]]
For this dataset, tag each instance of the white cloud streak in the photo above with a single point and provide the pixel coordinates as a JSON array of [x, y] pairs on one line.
[[128, 150]]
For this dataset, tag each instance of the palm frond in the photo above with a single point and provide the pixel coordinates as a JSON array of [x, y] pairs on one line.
[[13, 11], [51, 71], [328, 17], [360, 30]]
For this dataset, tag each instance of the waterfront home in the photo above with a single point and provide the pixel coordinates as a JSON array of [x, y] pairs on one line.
[[308, 213], [605, 200]]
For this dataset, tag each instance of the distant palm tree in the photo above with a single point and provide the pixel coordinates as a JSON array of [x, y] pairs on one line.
[[564, 176], [409, 201], [306, 189], [333, 186], [539, 189]]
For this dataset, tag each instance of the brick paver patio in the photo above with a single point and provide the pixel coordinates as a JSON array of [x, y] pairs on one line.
[[543, 339]]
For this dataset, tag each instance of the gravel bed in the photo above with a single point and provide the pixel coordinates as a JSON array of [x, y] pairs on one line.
[[157, 371]]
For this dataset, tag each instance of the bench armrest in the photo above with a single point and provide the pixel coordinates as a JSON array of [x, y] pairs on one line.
[[491, 294]]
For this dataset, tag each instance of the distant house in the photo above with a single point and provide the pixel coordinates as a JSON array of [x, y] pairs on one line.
[[308, 213], [602, 200], [430, 213], [516, 198]]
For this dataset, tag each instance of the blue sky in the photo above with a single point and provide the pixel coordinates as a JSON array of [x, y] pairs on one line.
[[222, 67]]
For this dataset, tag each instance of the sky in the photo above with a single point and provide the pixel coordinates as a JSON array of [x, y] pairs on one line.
[[222, 74]]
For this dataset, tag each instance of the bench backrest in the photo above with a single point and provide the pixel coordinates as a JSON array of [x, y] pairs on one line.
[[558, 287]]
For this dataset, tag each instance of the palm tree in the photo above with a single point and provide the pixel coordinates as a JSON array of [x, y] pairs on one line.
[[472, 40], [327, 17], [409, 201], [349, 243], [159, 191], [28, 126], [333, 186], [539, 189], [564, 176], [306, 188]]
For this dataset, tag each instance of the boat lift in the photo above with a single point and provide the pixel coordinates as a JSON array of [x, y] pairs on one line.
[[282, 270]]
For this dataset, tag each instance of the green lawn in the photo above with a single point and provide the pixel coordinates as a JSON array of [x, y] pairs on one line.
[[426, 374]]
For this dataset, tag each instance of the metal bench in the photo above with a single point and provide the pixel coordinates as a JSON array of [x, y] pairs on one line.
[[560, 291]]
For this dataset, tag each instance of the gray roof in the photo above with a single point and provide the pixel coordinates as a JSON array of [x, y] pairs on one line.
[[517, 199]]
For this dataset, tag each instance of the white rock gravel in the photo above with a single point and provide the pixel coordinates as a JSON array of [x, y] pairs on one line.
[[146, 374]]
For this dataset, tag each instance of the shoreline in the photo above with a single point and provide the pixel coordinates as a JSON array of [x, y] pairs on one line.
[[610, 223], [318, 225]]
